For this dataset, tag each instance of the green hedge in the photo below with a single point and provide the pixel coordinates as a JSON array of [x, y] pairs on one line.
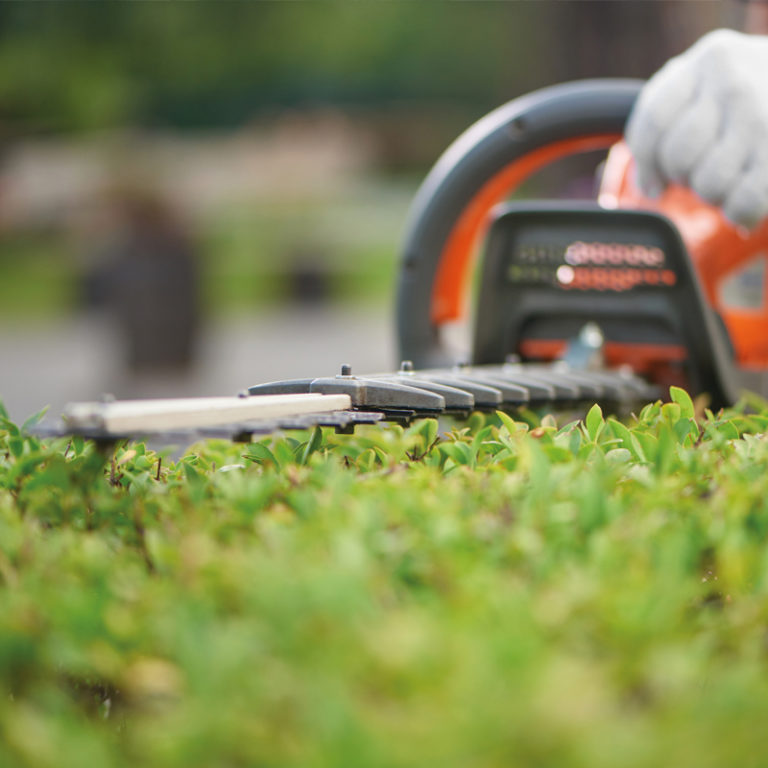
[[509, 594]]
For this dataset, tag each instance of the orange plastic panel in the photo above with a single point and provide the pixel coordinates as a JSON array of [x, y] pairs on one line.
[[453, 269], [717, 247]]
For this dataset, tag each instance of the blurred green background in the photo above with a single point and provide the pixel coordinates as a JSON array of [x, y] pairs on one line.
[[285, 140]]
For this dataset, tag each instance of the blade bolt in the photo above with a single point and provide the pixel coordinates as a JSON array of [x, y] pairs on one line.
[[406, 366], [346, 370]]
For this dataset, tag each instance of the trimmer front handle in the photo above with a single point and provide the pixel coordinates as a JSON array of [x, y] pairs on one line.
[[481, 168]]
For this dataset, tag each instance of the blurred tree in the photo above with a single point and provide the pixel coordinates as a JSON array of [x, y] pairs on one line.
[[90, 66], [85, 66], [604, 38]]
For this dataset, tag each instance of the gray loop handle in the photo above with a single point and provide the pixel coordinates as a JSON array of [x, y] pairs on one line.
[[526, 124]]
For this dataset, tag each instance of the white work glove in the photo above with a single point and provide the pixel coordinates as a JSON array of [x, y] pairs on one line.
[[702, 121]]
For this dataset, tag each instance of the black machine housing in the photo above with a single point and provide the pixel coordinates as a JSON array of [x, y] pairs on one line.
[[550, 268]]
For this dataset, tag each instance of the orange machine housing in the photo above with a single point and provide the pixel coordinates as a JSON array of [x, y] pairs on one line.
[[718, 248]]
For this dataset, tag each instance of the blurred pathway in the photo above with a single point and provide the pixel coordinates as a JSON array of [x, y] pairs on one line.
[[78, 359]]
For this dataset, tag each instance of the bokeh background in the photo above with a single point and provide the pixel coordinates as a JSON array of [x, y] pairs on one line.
[[198, 197]]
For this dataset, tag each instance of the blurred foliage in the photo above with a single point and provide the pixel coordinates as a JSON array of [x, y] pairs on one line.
[[249, 254], [352, 239], [86, 65], [514, 592], [39, 277]]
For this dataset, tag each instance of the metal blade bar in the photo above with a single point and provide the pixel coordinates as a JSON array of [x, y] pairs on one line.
[[182, 413], [342, 421]]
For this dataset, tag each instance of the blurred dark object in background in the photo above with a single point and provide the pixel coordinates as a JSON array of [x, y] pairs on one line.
[[309, 281], [145, 275]]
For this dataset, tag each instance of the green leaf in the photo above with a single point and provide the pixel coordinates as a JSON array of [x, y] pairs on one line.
[[618, 456], [683, 399], [476, 421], [574, 441], [628, 440], [686, 430], [283, 452], [78, 445], [460, 452], [480, 437], [425, 430], [510, 424], [665, 451], [649, 445], [190, 472], [548, 420], [366, 461], [312, 445], [594, 422], [381, 455], [9, 426], [650, 412], [558, 454], [260, 453], [430, 431], [671, 412], [727, 429], [33, 420]]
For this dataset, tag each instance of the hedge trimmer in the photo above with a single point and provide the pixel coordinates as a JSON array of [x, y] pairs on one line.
[[610, 301]]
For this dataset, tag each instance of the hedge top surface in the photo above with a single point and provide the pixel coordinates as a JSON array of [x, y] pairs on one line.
[[510, 593]]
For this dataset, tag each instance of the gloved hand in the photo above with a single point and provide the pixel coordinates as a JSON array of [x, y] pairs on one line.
[[702, 121]]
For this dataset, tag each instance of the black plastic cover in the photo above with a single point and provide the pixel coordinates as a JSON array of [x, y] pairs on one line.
[[550, 268]]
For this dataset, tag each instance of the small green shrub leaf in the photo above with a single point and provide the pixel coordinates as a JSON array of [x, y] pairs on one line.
[[33, 420], [260, 453], [460, 452], [312, 445], [509, 423], [594, 422], [683, 399], [671, 412]]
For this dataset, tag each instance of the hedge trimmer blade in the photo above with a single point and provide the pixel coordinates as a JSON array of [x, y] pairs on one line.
[[344, 401]]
